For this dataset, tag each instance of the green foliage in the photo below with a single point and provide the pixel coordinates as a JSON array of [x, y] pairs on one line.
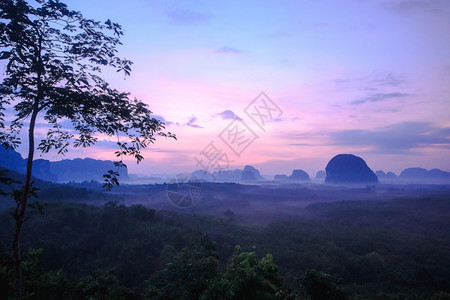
[[152, 252], [101, 285], [441, 296], [188, 274], [6, 182], [37, 283], [247, 277], [6, 272], [317, 285]]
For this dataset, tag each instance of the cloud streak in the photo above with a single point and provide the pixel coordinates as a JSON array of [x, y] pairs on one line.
[[375, 80], [228, 115], [191, 123], [162, 119], [379, 97], [228, 50], [397, 138], [407, 6]]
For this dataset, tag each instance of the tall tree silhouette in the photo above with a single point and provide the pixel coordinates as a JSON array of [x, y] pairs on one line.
[[54, 57]]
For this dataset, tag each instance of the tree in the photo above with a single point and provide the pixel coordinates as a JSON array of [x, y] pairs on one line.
[[102, 285], [317, 285], [247, 277], [37, 283], [188, 274], [53, 60]]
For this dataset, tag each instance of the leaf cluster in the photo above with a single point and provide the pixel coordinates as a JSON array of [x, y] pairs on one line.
[[54, 57]]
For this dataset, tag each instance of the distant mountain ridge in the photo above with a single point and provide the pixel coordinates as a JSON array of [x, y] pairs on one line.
[[424, 175], [249, 173], [297, 175], [60, 171], [341, 169], [416, 175], [389, 176]]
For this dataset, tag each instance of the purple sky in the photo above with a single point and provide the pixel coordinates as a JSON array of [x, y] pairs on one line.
[[370, 78]]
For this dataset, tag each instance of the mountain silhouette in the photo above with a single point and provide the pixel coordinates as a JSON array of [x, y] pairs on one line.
[[320, 175], [348, 168], [299, 175], [389, 176], [250, 174], [60, 171]]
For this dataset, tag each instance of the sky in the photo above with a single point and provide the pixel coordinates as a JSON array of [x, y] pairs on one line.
[[371, 78]]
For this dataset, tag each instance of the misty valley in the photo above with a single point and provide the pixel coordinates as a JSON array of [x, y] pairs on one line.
[[263, 239]]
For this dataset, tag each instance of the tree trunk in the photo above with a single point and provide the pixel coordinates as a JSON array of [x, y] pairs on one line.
[[19, 213]]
